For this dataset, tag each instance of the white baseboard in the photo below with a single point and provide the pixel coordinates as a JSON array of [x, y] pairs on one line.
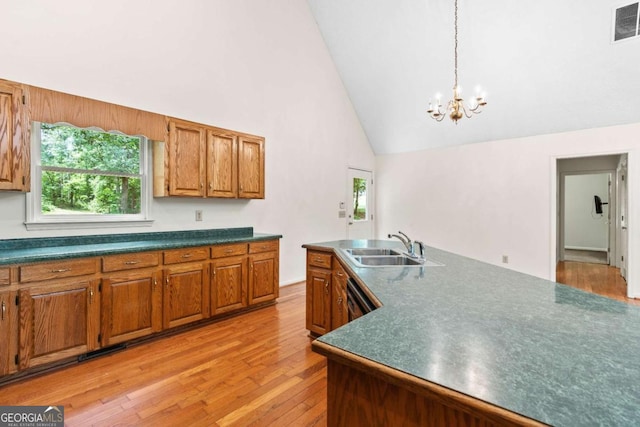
[[292, 282], [583, 248]]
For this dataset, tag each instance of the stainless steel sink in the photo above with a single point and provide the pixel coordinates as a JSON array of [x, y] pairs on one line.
[[386, 260], [383, 257], [372, 251]]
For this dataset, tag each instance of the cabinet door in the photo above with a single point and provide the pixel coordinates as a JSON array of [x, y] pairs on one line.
[[186, 294], [318, 300], [8, 332], [14, 139], [228, 284], [339, 311], [263, 277], [187, 159], [58, 320], [251, 168], [131, 306], [222, 166]]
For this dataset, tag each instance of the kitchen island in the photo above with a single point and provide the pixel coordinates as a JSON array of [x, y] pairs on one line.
[[469, 343]]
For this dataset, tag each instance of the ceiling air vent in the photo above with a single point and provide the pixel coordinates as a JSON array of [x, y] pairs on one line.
[[626, 22]]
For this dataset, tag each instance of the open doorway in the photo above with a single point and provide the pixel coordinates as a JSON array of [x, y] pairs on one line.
[[590, 246], [588, 207]]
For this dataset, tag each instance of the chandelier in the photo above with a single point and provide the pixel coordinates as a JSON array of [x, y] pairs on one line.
[[456, 107]]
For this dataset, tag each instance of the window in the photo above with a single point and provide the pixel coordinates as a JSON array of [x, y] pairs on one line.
[[359, 199], [626, 23], [86, 176]]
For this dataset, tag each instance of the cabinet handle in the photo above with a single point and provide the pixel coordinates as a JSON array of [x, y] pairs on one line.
[[317, 259], [62, 270], [4, 309], [167, 281], [340, 274], [228, 251], [130, 262], [187, 255], [201, 185], [91, 296], [326, 287], [339, 300], [210, 186]]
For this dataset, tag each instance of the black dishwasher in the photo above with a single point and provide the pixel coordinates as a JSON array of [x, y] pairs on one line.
[[358, 302]]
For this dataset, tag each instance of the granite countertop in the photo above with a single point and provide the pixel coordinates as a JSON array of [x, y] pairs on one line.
[[534, 347], [18, 251]]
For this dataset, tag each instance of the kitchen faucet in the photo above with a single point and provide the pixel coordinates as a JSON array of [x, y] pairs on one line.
[[406, 241], [410, 245]]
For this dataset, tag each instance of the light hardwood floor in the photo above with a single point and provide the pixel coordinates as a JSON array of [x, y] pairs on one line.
[[256, 369], [596, 278]]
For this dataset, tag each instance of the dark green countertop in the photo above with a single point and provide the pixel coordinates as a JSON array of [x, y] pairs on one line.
[[534, 347], [18, 251]]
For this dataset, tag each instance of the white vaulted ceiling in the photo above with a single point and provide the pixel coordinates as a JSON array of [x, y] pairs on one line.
[[547, 66]]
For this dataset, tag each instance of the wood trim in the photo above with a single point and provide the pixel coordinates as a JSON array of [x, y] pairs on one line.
[[445, 396], [51, 107]]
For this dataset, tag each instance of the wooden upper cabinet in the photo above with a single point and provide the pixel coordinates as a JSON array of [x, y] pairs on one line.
[[250, 168], [204, 161], [14, 138], [222, 169], [187, 159]]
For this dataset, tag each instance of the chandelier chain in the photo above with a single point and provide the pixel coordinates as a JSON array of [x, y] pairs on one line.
[[455, 46]]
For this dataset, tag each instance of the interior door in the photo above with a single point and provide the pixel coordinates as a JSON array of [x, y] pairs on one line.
[[360, 205]]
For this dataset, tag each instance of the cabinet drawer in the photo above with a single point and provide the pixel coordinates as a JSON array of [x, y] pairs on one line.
[[129, 261], [267, 246], [186, 255], [319, 259], [57, 269], [4, 276], [228, 250], [338, 270]]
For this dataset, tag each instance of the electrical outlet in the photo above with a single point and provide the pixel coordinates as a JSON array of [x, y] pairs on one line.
[[198, 215], [505, 259]]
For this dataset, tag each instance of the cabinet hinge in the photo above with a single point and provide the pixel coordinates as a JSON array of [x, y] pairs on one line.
[[24, 180], [17, 300], [100, 287], [622, 258], [24, 100], [15, 360], [99, 337]]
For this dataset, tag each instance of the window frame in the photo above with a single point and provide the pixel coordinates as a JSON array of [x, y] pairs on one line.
[[35, 220]]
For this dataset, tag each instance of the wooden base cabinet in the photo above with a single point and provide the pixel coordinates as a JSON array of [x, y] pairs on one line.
[[58, 320], [186, 294], [263, 271], [339, 309], [228, 284], [131, 305], [52, 311], [8, 332], [318, 292]]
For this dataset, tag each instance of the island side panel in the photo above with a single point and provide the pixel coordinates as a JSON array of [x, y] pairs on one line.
[[364, 393]]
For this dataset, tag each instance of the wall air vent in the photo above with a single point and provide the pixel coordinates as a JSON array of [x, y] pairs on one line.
[[626, 22]]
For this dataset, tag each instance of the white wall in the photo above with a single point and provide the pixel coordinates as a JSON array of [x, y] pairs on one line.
[[584, 228], [255, 66], [496, 198]]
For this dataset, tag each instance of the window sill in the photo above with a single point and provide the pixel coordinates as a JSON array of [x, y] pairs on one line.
[[74, 225]]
